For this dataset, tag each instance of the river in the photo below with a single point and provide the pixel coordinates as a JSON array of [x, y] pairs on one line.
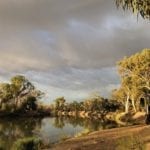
[[49, 130]]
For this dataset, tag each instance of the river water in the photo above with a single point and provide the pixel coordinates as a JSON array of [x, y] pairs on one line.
[[49, 130]]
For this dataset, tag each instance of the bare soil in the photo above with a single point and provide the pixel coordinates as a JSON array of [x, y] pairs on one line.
[[106, 139]]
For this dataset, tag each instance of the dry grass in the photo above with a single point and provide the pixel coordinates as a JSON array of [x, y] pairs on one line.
[[109, 139], [134, 142]]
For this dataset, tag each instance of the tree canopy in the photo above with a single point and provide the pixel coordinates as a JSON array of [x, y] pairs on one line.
[[135, 77], [19, 94], [141, 7]]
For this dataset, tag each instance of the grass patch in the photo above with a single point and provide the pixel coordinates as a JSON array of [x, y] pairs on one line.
[[83, 133], [132, 142]]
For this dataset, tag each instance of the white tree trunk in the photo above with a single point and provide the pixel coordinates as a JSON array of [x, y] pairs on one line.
[[133, 104], [147, 110], [127, 105]]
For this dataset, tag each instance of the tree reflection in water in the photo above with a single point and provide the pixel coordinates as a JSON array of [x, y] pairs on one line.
[[86, 123], [13, 129]]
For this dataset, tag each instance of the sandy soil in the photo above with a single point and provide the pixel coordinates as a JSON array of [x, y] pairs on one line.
[[106, 139]]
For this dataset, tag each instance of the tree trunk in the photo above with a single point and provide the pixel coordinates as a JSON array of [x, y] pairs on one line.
[[147, 109], [138, 107], [127, 105], [133, 104], [147, 121]]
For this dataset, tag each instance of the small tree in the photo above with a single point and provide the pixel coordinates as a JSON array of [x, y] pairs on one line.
[[59, 103]]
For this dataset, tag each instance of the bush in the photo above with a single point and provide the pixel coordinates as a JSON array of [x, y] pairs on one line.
[[2, 145], [30, 143]]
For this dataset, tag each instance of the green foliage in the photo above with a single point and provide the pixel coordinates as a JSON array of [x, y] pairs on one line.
[[30, 143], [29, 104], [2, 145], [59, 103], [101, 105], [93, 106], [18, 82], [135, 77], [6, 107], [141, 7], [20, 94], [73, 106], [6, 92], [21, 85]]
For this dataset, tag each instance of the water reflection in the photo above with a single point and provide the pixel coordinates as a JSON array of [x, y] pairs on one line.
[[49, 129], [13, 129], [86, 123]]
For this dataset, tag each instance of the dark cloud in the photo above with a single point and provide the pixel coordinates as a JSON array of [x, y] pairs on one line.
[[72, 80], [68, 45]]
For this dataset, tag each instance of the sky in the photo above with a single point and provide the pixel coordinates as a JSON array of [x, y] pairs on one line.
[[68, 47]]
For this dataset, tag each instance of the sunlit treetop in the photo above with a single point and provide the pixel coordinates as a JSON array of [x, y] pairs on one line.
[[141, 7]]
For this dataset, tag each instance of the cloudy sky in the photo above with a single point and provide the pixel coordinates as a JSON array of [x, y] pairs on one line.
[[68, 47]]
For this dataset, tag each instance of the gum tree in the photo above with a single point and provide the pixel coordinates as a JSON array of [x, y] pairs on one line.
[[19, 94], [141, 7], [135, 76]]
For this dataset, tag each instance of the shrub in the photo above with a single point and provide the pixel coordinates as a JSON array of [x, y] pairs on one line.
[[2, 145], [29, 143]]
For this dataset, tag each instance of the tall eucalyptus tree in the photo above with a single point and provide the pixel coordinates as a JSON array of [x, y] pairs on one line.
[[141, 7], [135, 77]]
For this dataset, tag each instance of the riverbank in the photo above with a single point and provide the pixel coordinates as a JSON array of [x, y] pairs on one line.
[[25, 114], [110, 139]]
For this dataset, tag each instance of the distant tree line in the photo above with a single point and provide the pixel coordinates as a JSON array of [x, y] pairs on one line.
[[93, 106], [20, 95]]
